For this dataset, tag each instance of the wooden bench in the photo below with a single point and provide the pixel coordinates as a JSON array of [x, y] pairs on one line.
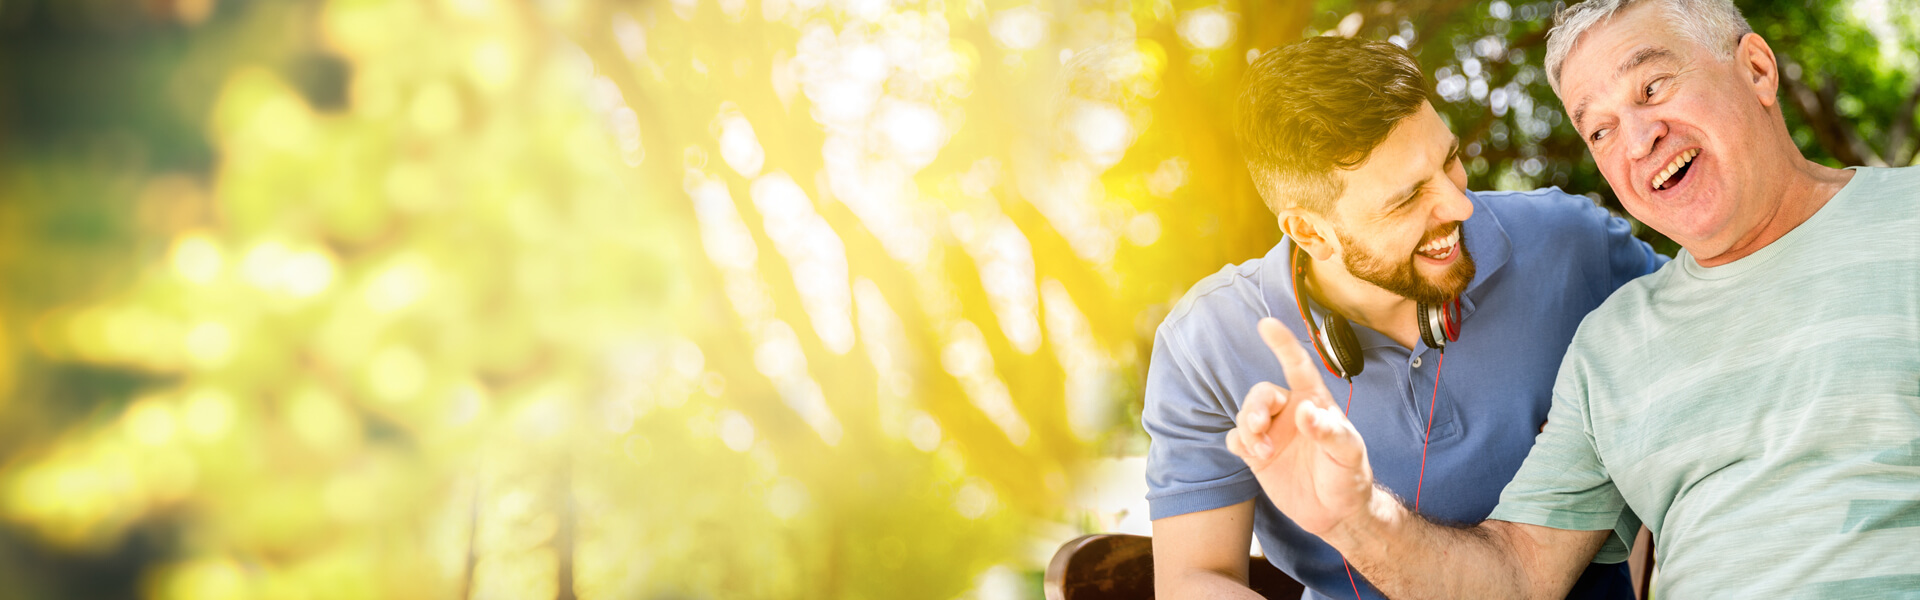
[[1120, 567], [1108, 566]]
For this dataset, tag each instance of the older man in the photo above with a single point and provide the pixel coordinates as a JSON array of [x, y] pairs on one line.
[[1756, 402]]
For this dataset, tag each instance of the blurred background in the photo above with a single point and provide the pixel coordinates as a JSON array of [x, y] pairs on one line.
[[670, 298]]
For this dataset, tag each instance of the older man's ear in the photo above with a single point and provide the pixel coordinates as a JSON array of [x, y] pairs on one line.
[[1762, 67]]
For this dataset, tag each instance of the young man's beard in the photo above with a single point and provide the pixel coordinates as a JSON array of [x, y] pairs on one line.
[[1402, 279]]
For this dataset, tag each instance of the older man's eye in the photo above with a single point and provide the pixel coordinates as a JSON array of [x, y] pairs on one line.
[[1597, 134], [1653, 87]]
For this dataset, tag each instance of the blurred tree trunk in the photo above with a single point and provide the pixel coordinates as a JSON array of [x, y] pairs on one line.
[[564, 540], [1839, 135]]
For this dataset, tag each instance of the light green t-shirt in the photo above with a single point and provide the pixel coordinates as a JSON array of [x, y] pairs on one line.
[[1762, 417]]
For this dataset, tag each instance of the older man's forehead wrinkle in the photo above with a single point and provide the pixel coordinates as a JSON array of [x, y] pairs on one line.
[[1643, 56]]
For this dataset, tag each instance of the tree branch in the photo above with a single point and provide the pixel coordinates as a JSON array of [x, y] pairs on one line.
[[1435, 15], [1902, 127], [473, 544], [1830, 100], [563, 540], [1538, 37], [1817, 107]]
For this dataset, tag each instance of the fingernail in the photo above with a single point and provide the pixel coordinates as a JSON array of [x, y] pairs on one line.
[[1264, 447]]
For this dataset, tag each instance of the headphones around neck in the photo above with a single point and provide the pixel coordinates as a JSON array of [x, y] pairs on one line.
[[1333, 337]]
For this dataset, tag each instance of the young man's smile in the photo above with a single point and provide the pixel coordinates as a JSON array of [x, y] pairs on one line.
[[1443, 250]]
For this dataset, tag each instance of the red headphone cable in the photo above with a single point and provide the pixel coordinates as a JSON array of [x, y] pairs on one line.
[[1424, 442], [1343, 559], [1429, 437]]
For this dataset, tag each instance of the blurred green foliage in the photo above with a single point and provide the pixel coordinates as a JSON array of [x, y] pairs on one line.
[[781, 298]]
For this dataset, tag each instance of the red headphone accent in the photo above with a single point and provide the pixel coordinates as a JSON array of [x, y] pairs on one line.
[[1333, 337]]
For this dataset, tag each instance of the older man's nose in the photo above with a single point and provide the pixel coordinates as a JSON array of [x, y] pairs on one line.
[[1643, 135]]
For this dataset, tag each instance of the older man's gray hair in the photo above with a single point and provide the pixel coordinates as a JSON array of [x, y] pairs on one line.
[[1716, 24]]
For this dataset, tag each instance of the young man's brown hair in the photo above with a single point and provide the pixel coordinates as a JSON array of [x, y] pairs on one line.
[[1319, 105]]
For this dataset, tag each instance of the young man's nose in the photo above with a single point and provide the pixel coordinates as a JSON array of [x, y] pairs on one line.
[[1453, 206]]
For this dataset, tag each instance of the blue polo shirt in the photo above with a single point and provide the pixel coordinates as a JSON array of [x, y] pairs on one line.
[[1544, 259]]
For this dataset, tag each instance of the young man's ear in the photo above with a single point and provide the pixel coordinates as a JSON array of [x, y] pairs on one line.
[[1761, 66], [1309, 231]]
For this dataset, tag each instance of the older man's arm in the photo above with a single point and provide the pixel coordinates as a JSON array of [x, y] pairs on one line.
[[1410, 558], [1313, 465]]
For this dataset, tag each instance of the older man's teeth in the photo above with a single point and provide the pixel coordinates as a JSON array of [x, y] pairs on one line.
[[1441, 248], [1659, 181]]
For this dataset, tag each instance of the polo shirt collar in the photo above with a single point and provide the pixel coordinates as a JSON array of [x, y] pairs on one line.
[[1482, 234]]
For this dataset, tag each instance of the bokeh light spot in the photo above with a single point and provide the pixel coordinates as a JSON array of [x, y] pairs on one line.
[[307, 273], [209, 344], [1206, 28], [196, 258], [1019, 28], [736, 431], [209, 414], [975, 499], [788, 498], [150, 421], [396, 374], [397, 286]]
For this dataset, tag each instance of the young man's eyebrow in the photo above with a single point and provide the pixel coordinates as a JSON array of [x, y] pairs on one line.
[[1394, 200], [1641, 57]]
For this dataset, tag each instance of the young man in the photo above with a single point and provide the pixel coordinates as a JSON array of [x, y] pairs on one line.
[[1366, 181], [1756, 402]]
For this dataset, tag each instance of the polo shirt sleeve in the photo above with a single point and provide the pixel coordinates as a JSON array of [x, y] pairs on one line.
[[1563, 483], [1188, 415], [1628, 258]]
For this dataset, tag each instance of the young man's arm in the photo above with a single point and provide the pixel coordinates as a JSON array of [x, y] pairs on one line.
[[1199, 494], [1204, 554], [1312, 464]]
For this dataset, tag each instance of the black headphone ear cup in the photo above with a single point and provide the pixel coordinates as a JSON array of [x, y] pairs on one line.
[[1346, 346], [1425, 314]]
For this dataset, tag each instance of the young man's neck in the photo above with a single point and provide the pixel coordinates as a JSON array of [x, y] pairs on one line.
[[1364, 303]]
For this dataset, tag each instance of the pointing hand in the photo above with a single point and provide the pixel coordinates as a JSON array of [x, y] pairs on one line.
[[1308, 458]]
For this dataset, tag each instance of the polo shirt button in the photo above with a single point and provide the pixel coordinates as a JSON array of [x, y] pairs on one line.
[[1416, 362]]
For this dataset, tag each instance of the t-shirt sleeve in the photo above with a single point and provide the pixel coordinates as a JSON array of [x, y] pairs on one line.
[[1189, 468], [1563, 484]]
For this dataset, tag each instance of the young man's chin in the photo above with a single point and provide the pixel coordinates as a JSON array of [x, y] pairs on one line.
[[1448, 277]]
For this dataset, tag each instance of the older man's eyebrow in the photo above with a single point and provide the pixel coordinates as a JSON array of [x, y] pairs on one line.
[[1396, 199], [1643, 56], [1580, 113]]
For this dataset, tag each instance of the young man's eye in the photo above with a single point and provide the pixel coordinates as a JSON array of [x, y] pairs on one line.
[[1408, 201]]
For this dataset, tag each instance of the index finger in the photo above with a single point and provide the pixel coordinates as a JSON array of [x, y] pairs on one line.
[[1303, 378]]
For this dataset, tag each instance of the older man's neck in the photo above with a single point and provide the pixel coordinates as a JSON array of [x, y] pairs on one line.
[[1805, 189]]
